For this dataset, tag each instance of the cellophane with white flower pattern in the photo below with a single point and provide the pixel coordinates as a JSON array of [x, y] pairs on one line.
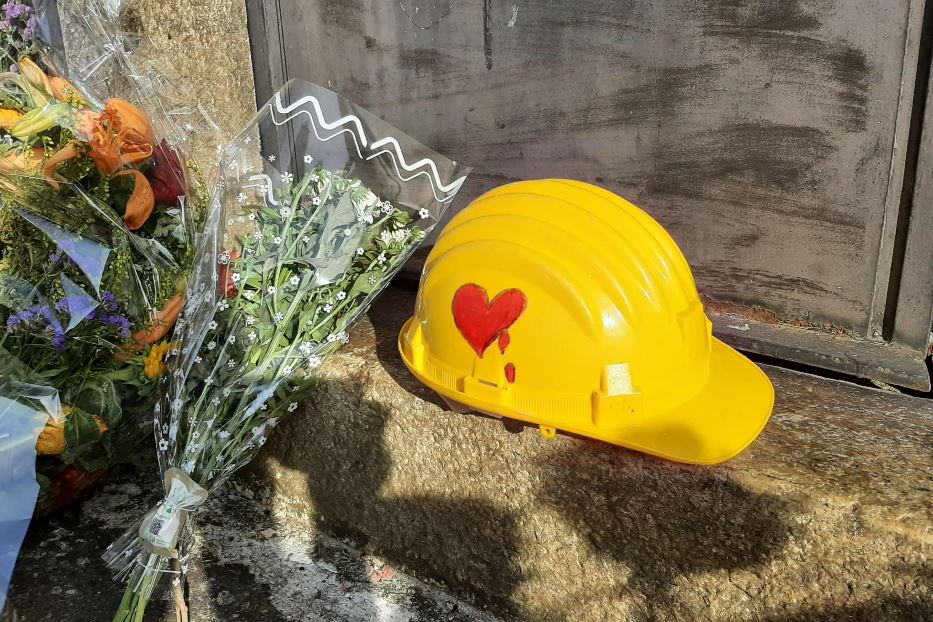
[[319, 204]]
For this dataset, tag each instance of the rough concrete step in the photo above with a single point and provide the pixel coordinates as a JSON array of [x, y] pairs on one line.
[[247, 566], [826, 517]]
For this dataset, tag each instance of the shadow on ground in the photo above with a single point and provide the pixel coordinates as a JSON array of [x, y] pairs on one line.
[[469, 545]]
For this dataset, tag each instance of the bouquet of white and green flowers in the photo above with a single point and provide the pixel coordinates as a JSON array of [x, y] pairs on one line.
[[318, 206]]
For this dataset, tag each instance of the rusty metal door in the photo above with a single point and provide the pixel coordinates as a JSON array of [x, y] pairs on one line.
[[777, 141]]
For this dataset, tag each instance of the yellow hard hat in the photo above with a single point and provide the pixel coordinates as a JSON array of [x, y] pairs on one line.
[[561, 304]]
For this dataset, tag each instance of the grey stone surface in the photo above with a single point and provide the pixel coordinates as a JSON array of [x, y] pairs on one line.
[[828, 516], [247, 566]]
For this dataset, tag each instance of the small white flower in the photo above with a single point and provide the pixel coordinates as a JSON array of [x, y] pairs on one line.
[[248, 294], [381, 258], [251, 217], [386, 207], [197, 360], [215, 401], [271, 157], [270, 289], [176, 405], [263, 407], [287, 178], [208, 381], [372, 279], [306, 239], [194, 448], [223, 305], [211, 345], [250, 320], [188, 467], [231, 339], [360, 252], [276, 240], [314, 362], [279, 316], [424, 213], [195, 435], [316, 201], [235, 277], [212, 325], [252, 335], [305, 348], [261, 441], [331, 338], [341, 295], [343, 336], [292, 407], [223, 435], [173, 352], [230, 222], [285, 212], [248, 140], [163, 445], [223, 258], [287, 369], [308, 159], [294, 281], [241, 198], [327, 308], [257, 235], [347, 232], [226, 392], [177, 373], [231, 364]]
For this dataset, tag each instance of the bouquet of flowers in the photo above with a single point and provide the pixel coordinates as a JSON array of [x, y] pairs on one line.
[[97, 222], [319, 204]]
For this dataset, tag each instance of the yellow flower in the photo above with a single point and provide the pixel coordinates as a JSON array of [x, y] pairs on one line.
[[155, 360], [51, 441], [8, 117]]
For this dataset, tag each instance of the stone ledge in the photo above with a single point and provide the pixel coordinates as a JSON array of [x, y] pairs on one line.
[[826, 517]]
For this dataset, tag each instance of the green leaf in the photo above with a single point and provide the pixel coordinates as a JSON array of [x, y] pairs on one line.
[[80, 429]]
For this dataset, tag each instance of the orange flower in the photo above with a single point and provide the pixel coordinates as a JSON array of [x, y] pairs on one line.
[[120, 136], [123, 135], [65, 91], [159, 328]]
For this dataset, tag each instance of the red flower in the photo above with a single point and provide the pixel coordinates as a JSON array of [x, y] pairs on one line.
[[226, 285], [166, 176]]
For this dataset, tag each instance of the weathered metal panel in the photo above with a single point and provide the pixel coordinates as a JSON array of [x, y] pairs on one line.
[[761, 134]]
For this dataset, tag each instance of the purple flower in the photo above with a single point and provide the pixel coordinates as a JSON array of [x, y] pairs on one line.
[[49, 320], [4, 25], [13, 9], [108, 300], [14, 69], [27, 33]]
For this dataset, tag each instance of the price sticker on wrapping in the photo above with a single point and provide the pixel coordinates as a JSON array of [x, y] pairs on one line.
[[162, 526]]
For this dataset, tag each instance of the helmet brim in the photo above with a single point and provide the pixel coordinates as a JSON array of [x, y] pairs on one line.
[[717, 423]]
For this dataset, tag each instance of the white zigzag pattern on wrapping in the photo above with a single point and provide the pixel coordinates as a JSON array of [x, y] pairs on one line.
[[360, 137]]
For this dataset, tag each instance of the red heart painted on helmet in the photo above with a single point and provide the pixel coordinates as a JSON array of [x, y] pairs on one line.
[[481, 321]]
